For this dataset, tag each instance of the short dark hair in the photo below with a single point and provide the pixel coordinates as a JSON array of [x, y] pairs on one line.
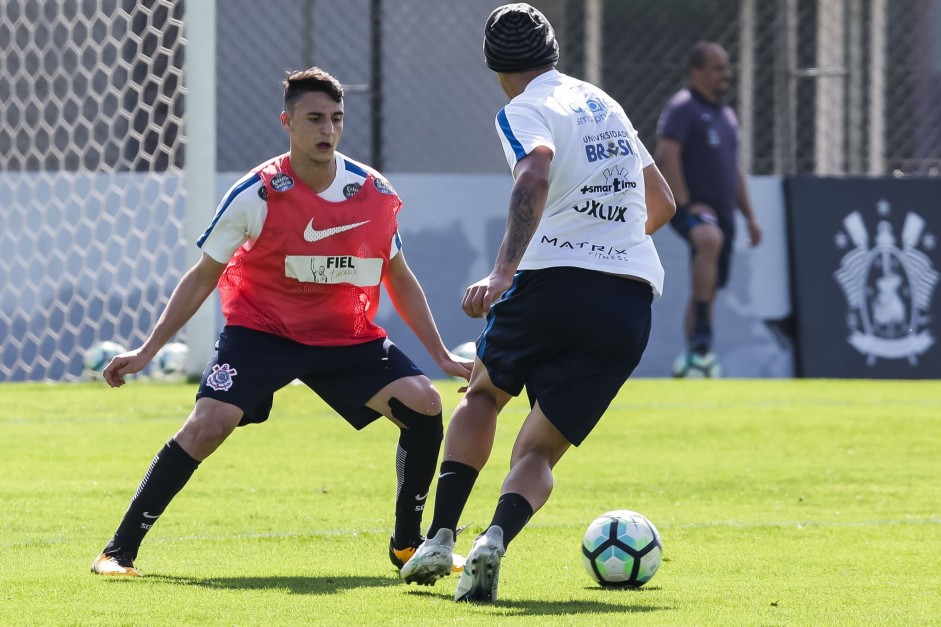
[[698, 54], [312, 79]]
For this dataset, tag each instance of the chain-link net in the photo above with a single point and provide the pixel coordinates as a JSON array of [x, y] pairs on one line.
[[91, 141], [92, 198], [822, 86]]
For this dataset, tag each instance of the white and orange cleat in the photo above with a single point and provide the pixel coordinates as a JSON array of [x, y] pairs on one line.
[[114, 566]]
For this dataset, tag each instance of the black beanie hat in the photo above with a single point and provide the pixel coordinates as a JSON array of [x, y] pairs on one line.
[[518, 38]]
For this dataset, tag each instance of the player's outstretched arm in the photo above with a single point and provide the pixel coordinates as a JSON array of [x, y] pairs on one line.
[[668, 156], [744, 205], [409, 300], [192, 290], [527, 202]]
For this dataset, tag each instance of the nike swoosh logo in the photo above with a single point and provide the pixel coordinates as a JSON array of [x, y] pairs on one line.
[[445, 474], [147, 515], [312, 235], [421, 497]]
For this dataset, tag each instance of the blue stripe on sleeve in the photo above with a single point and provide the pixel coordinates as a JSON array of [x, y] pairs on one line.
[[226, 201], [508, 133], [355, 169]]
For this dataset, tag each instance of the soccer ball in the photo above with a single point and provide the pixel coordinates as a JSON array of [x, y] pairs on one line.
[[171, 359], [467, 350], [693, 365], [622, 549], [98, 356]]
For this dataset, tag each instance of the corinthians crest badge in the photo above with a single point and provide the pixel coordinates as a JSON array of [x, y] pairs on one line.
[[888, 286]]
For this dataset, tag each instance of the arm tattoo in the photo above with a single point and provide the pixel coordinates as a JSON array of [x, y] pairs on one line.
[[521, 224]]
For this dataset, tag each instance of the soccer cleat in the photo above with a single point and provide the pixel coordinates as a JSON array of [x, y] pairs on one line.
[[433, 559], [114, 566], [697, 365], [399, 557], [482, 571]]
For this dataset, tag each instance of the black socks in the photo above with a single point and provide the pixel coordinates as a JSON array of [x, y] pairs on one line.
[[512, 513], [455, 482], [168, 473], [701, 338], [415, 461]]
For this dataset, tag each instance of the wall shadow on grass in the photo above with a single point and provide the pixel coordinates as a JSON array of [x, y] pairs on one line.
[[515, 607], [332, 585], [294, 584]]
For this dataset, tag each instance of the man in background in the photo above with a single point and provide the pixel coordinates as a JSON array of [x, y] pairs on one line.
[[697, 152]]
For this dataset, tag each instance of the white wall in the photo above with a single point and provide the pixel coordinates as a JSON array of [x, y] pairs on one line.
[[452, 225]]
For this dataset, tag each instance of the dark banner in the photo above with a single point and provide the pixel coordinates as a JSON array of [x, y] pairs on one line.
[[865, 263]]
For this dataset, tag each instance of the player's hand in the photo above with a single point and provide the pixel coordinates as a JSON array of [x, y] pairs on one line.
[[457, 366], [479, 296], [754, 232], [123, 365], [702, 209]]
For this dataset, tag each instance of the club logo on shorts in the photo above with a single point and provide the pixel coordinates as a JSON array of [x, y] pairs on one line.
[[221, 377], [281, 182], [383, 185]]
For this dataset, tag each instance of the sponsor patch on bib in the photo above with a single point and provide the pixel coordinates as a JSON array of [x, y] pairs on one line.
[[281, 182]]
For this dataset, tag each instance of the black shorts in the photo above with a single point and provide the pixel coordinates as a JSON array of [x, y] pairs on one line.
[[572, 337], [683, 223], [249, 366]]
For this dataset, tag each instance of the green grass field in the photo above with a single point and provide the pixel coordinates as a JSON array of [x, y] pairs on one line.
[[780, 503]]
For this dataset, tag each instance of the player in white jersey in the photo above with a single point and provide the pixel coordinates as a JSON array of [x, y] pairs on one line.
[[568, 301]]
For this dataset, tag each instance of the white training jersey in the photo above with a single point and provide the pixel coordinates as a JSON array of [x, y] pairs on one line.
[[596, 213], [241, 214]]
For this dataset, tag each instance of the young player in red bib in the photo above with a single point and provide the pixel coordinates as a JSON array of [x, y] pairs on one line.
[[298, 249]]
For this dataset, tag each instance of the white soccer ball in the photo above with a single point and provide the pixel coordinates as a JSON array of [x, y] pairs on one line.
[[693, 365], [171, 359], [622, 549], [467, 350], [99, 355]]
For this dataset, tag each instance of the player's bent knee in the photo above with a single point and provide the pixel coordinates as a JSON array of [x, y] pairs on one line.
[[707, 235], [707, 240], [417, 393], [424, 425], [209, 424]]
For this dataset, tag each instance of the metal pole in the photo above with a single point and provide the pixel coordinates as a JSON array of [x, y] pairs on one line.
[[855, 76], [308, 43], [830, 99], [593, 41], [375, 84], [746, 80], [199, 172], [877, 83], [785, 88]]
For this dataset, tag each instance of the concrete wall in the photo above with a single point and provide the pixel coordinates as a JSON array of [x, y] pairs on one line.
[[70, 279], [452, 226]]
